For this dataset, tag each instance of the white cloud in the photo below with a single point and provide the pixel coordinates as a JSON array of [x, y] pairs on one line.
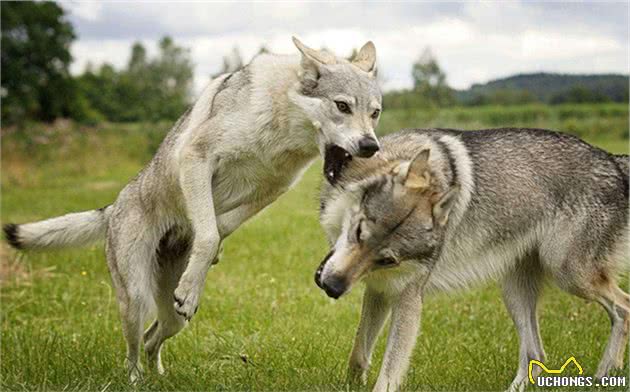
[[473, 42], [88, 10], [539, 45]]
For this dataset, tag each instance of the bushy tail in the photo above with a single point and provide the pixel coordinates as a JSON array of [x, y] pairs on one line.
[[70, 230]]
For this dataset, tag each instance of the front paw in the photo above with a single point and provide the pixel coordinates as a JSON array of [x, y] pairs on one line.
[[186, 296]]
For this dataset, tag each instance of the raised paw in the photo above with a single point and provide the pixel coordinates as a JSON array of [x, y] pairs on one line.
[[186, 299]]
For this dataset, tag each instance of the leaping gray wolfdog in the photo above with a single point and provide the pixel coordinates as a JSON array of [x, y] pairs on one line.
[[244, 142], [437, 210]]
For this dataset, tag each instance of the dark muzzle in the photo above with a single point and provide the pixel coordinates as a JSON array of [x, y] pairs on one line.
[[318, 273], [368, 146], [334, 286]]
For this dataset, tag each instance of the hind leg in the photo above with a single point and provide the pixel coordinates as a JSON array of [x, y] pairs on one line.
[[624, 298], [617, 305], [173, 254], [582, 253], [133, 314], [594, 281], [167, 324], [521, 289], [130, 254]]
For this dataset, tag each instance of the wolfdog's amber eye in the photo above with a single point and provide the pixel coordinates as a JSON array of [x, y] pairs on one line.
[[376, 113], [343, 107]]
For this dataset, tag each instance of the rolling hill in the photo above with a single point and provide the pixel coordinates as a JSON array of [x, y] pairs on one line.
[[552, 87]]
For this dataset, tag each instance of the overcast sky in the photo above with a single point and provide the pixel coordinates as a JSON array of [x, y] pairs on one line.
[[473, 42]]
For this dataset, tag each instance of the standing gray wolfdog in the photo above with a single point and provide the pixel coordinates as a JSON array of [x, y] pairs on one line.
[[438, 210], [244, 142]]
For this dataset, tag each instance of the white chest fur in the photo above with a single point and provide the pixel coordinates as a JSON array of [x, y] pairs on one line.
[[253, 177]]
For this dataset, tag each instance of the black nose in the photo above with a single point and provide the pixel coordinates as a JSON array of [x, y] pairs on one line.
[[367, 147], [334, 286]]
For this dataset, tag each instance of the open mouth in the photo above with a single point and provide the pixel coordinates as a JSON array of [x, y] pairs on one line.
[[334, 161]]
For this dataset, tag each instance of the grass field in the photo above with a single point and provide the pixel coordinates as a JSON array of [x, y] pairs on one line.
[[263, 324]]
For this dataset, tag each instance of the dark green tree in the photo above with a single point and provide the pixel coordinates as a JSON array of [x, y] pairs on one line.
[[100, 89], [35, 57], [430, 81], [172, 75], [579, 94], [138, 58], [149, 89]]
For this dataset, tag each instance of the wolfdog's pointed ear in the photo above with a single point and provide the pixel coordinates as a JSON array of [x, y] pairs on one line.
[[312, 61], [415, 174], [320, 57], [443, 207], [366, 58]]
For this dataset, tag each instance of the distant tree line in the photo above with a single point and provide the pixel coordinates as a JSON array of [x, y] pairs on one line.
[[38, 86], [548, 88], [432, 90], [148, 89]]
